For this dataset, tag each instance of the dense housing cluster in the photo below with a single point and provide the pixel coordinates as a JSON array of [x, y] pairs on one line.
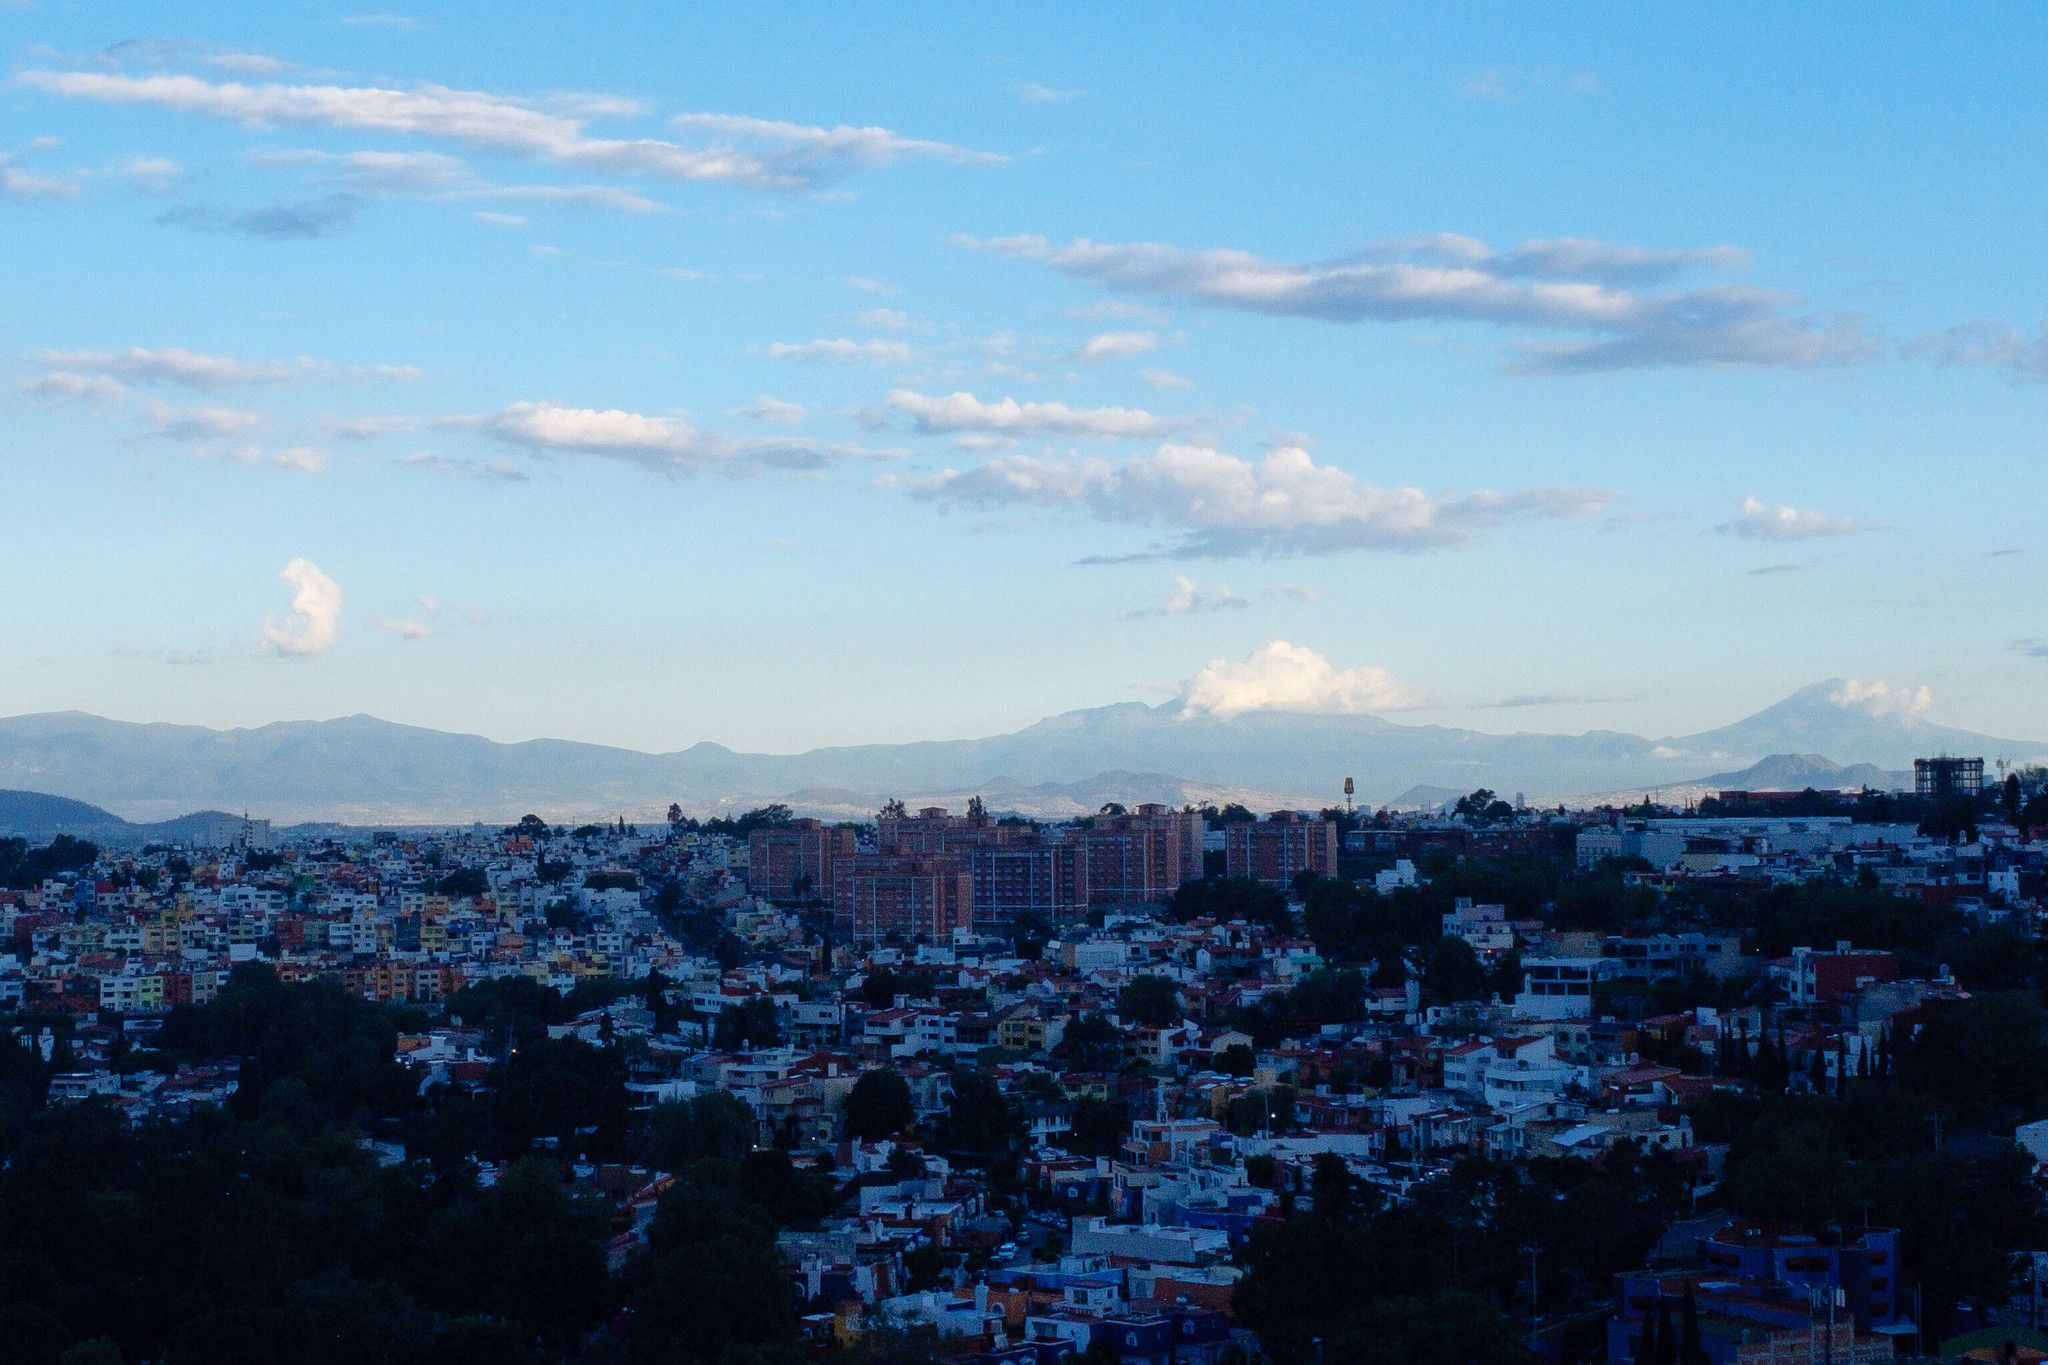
[[1765, 1080]]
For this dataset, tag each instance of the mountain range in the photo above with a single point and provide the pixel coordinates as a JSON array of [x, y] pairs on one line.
[[359, 769]]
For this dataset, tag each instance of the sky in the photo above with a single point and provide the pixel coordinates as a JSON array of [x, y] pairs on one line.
[[792, 375]]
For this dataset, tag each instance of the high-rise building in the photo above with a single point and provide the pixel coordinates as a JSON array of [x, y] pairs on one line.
[[1274, 851], [797, 861], [1943, 777], [904, 897], [1136, 858]]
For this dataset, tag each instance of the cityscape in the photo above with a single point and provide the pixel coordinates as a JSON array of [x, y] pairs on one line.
[[1049, 685]]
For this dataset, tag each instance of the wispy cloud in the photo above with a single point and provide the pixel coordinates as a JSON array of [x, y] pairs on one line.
[[1522, 700], [1757, 520], [1986, 345], [1512, 84], [197, 370], [666, 445], [1114, 346], [777, 156], [777, 411], [1031, 92], [300, 221], [1218, 506], [171, 423], [953, 412], [16, 183], [2033, 647], [843, 351], [487, 471], [1189, 598], [1611, 293]]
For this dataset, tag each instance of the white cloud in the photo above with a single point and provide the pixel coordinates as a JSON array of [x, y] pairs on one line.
[[843, 351], [503, 220], [428, 604], [779, 411], [1570, 285], [1287, 677], [668, 445], [1759, 521], [192, 369], [1220, 506], [1880, 698], [1115, 346], [870, 286], [790, 156], [1166, 380], [315, 623], [962, 411], [404, 22], [404, 630]]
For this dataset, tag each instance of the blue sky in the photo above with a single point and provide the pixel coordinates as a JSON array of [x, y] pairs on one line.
[[797, 375]]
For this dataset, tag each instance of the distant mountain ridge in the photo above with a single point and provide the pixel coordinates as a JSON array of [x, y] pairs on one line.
[[361, 770]]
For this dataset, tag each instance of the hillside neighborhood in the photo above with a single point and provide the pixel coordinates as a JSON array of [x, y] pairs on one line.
[[1765, 1079]]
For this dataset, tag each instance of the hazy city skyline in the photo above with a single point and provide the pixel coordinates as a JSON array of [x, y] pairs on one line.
[[638, 380]]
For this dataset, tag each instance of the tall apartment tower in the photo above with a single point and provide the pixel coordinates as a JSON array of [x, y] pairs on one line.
[[797, 861], [1274, 851]]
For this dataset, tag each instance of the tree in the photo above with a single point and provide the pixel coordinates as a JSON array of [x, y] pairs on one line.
[[1230, 899], [1090, 1043], [714, 1126], [878, 1106], [892, 809], [1150, 1000], [1098, 1127], [1454, 971], [749, 1023], [975, 810], [981, 1124]]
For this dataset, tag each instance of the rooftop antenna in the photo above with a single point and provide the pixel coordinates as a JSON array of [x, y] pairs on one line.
[[1350, 788]]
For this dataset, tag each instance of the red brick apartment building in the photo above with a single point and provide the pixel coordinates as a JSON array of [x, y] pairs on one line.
[[803, 851], [1279, 848], [879, 896]]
